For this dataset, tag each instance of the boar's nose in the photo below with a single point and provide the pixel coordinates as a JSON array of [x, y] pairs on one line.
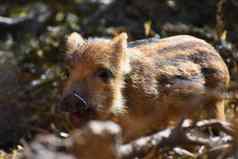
[[73, 102]]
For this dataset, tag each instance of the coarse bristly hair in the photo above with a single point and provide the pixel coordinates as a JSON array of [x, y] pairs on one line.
[[76, 45], [153, 82]]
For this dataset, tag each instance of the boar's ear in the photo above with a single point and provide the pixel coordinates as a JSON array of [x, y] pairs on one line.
[[74, 41], [120, 42]]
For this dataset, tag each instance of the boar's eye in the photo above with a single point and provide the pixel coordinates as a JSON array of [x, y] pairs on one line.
[[65, 73], [104, 74]]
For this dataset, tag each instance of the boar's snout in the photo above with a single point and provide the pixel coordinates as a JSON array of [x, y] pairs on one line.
[[73, 102]]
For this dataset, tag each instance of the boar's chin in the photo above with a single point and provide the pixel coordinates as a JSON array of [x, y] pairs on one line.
[[79, 119]]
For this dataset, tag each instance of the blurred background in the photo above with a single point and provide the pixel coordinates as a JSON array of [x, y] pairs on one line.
[[32, 36]]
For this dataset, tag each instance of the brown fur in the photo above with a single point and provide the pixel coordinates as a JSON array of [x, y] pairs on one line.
[[159, 82]]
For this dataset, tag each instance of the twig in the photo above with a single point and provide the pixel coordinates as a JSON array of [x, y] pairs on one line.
[[182, 152], [221, 125], [141, 146]]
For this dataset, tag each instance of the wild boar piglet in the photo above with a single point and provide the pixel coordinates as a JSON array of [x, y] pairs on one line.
[[143, 85]]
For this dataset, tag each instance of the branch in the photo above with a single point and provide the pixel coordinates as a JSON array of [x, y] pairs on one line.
[[32, 22], [184, 134], [9, 22]]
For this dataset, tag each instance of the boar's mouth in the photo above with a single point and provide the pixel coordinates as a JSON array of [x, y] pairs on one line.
[[79, 119], [79, 110]]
